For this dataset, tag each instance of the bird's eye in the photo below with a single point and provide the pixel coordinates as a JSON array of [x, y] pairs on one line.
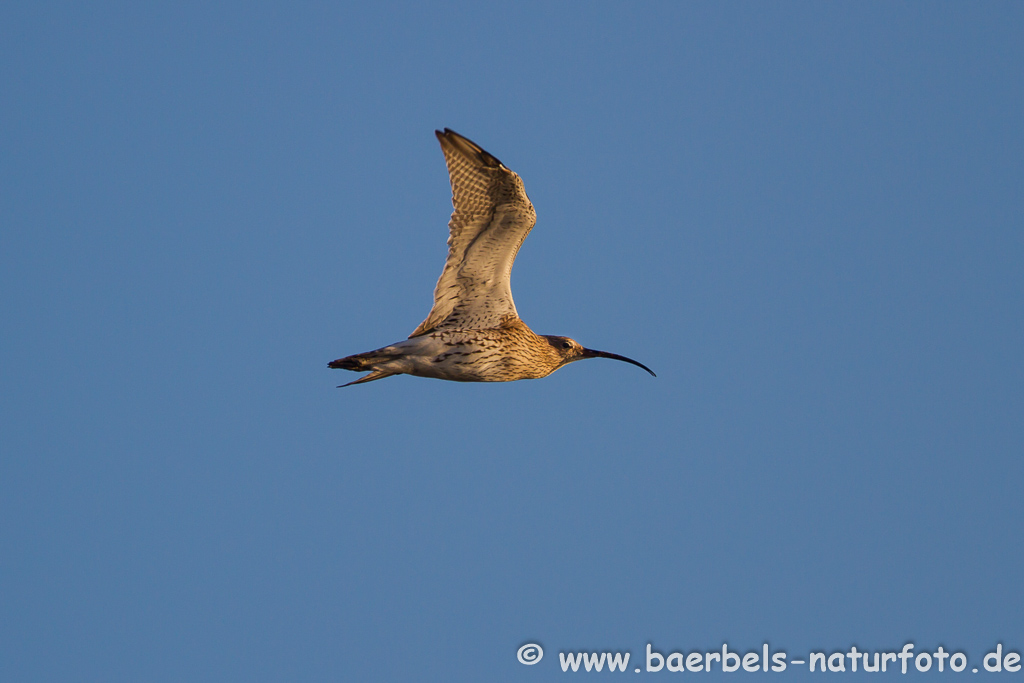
[[566, 344]]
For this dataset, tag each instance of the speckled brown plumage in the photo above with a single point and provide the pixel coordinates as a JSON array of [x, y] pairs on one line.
[[473, 332]]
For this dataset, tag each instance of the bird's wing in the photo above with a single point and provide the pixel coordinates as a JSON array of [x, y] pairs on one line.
[[492, 217]]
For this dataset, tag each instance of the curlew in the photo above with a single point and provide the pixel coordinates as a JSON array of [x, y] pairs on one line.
[[473, 333]]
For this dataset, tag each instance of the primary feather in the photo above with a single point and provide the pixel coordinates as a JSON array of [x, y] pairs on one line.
[[491, 219]]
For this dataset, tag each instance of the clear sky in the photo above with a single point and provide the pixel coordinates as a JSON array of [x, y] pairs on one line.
[[807, 218]]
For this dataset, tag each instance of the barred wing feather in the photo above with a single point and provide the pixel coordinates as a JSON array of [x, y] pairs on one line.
[[492, 217]]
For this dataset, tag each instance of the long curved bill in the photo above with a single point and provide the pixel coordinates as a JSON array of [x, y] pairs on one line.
[[590, 353]]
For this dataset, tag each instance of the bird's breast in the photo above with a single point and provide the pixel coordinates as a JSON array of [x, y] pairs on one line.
[[485, 356]]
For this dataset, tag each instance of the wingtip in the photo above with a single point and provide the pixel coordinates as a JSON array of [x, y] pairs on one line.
[[446, 135], [449, 139]]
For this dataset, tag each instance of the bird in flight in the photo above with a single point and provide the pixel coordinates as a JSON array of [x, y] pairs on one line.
[[473, 333]]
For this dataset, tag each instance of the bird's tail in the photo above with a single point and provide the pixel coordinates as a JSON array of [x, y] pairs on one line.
[[361, 362]]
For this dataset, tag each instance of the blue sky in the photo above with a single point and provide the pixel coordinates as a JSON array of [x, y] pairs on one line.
[[805, 217]]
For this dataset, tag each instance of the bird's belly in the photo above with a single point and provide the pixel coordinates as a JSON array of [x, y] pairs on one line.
[[468, 364]]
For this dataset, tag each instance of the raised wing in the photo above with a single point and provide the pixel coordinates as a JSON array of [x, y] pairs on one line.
[[492, 217]]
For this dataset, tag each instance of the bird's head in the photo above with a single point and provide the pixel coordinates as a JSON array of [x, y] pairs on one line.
[[570, 350]]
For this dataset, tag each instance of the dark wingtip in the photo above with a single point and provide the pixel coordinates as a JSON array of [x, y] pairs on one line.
[[468, 148]]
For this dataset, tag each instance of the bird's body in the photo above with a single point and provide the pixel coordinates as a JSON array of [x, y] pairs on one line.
[[499, 354], [473, 332]]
